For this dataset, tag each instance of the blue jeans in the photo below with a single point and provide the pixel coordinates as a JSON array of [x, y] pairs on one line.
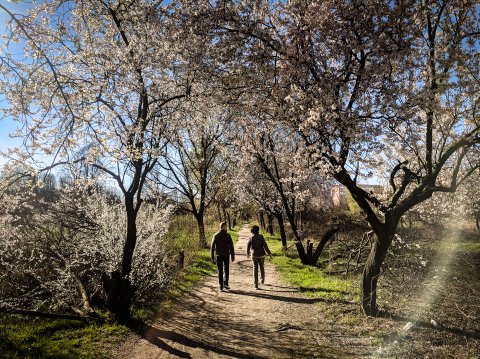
[[258, 262]]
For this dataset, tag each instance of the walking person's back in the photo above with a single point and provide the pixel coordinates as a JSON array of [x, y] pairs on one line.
[[222, 246], [259, 248]]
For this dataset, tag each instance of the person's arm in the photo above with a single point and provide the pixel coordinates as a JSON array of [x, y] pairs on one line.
[[232, 248], [265, 246], [249, 245], [212, 249]]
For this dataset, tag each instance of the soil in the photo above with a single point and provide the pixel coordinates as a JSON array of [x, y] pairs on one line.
[[275, 321], [278, 321]]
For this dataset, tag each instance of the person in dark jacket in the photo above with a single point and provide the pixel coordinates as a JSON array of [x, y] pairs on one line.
[[222, 244], [259, 249]]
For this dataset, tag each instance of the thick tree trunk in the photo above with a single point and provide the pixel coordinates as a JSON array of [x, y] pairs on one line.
[[298, 240], [372, 271], [119, 293], [323, 242], [281, 227], [131, 239]]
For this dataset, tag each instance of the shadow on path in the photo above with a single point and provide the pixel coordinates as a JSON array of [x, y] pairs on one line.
[[155, 336], [261, 293]]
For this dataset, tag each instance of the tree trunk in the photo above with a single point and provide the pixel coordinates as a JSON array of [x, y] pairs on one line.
[[119, 293], [131, 239], [118, 289], [270, 224], [372, 270], [323, 242], [219, 212], [301, 252], [281, 227], [87, 307], [298, 240], [229, 220], [261, 220], [201, 230]]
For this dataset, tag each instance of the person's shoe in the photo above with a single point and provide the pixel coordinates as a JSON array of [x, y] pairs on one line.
[[263, 281], [256, 287], [226, 286], [221, 289]]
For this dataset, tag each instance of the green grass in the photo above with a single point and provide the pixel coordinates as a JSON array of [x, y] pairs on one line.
[[311, 280], [464, 245], [53, 338]]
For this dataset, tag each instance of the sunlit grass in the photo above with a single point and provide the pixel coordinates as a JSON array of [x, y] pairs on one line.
[[462, 246], [53, 338], [310, 280]]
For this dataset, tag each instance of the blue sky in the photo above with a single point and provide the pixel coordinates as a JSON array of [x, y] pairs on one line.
[[7, 125]]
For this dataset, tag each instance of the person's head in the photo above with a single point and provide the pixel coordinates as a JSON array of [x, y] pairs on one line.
[[223, 226], [255, 230]]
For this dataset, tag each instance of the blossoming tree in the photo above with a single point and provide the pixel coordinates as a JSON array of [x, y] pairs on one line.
[[108, 76], [390, 86]]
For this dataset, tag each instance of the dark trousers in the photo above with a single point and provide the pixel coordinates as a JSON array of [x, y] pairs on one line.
[[258, 262], [222, 265]]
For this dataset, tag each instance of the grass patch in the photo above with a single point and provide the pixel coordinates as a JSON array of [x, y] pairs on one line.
[[53, 338], [310, 280]]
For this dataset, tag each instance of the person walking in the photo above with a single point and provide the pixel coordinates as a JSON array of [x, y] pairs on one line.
[[222, 244], [259, 249]]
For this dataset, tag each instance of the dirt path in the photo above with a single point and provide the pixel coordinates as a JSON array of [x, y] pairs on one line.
[[273, 322]]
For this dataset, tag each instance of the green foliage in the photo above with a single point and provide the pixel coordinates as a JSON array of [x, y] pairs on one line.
[[353, 207], [54, 338], [311, 280]]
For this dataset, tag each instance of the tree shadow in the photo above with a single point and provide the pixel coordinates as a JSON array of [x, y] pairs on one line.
[[260, 294], [157, 336], [427, 325], [282, 286]]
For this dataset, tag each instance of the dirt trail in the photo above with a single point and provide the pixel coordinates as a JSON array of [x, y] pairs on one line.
[[276, 321]]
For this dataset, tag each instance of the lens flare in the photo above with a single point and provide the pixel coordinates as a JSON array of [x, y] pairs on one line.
[[430, 291]]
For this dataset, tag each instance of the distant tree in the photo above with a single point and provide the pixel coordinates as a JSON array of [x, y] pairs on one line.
[[272, 157], [194, 163]]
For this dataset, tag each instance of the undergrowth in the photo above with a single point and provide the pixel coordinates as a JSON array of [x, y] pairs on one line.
[[310, 280], [22, 337]]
